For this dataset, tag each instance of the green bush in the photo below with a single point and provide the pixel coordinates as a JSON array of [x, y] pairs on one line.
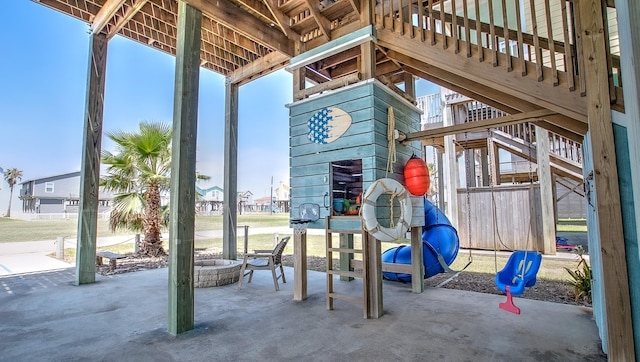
[[580, 278]]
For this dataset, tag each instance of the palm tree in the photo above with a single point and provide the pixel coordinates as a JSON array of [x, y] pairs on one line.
[[138, 172], [12, 176]]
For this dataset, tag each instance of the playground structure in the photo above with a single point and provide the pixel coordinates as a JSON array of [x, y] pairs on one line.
[[439, 238]]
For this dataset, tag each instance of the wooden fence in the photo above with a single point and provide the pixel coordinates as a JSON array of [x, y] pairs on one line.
[[500, 218]]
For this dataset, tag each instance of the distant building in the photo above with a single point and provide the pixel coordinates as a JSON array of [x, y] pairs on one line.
[[210, 199], [57, 194]]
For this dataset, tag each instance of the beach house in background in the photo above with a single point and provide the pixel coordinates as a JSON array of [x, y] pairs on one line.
[[210, 199], [59, 194]]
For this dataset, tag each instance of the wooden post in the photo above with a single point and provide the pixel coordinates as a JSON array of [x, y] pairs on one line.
[[368, 60], [410, 84], [470, 167], [451, 176], [90, 169], [441, 202], [299, 266], [346, 242], [299, 75], [374, 277], [417, 264], [546, 191], [183, 170], [484, 160], [494, 160], [590, 31], [230, 202]]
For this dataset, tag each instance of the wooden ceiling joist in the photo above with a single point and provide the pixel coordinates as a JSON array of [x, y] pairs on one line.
[[126, 17], [232, 16]]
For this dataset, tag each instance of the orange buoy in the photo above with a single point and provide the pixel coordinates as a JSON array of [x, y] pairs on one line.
[[416, 176]]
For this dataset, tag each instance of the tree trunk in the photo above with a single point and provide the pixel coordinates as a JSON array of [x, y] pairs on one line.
[[152, 244], [10, 198]]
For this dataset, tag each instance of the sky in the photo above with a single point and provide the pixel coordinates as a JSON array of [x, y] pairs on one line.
[[43, 74]]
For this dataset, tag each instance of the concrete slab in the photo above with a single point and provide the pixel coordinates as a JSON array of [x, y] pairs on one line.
[[124, 317]]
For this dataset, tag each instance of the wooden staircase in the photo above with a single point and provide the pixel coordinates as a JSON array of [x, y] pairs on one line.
[[508, 59]]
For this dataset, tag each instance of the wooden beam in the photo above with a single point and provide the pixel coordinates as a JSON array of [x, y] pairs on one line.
[[259, 8], [417, 262], [299, 266], [128, 15], [332, 84], [546, 191], [617, 306], [482, 92], [282, 19], [90, 169], [230, 202], [323, 23], [183, 170], [258, 68], [104, 15], [223, 11], [543, 94], [478, 125], [451, 166]]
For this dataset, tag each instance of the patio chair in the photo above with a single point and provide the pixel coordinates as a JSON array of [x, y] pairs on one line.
[[263, 260]]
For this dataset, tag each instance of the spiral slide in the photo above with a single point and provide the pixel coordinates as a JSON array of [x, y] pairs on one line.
[[438, 236]]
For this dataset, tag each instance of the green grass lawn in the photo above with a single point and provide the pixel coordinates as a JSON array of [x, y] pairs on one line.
[[17, 230], [572, 225], [13, 230]]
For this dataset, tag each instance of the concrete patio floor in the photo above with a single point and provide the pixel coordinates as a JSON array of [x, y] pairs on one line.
[[44, 317]]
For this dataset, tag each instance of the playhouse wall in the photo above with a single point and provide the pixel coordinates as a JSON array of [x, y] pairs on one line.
[[366, 139]]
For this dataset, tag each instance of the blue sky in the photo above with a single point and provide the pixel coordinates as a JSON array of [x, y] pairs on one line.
[[43, 66]]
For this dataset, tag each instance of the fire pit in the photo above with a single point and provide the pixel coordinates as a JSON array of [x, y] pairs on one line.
[[215, 272]]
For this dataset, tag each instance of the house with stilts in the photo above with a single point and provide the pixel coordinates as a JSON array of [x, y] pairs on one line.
[[565, 67]]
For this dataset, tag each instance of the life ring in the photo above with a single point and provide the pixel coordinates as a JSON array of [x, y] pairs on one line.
[[368, 210]]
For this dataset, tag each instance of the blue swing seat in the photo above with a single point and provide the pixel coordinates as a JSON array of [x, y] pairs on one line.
[[519, 273]]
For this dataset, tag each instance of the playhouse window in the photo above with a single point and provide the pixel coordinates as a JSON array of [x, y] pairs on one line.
[[346, 186]]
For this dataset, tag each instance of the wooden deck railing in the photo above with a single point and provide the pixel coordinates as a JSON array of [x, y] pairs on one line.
[[533, 35]]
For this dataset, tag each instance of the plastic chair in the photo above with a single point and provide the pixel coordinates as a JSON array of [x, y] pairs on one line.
[[519, 272], [264, 260]]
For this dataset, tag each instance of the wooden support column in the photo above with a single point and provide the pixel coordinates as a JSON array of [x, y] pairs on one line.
[[470, 167], [546, 191], [590, 31], [299, 266], [230, 202], [410, 85], [299, 74], [494, 163], [346, 242], [368, 60], [484, 161], [451, 174], [374, 277], [417, 263], [90, 171], [441, 198], [183, 170]]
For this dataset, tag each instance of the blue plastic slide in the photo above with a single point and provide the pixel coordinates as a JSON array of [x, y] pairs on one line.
[[438, 236]]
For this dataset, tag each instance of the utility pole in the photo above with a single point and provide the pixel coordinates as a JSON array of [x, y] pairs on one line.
[[271, 198]]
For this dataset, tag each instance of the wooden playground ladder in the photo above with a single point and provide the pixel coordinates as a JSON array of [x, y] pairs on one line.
[[363, 273]]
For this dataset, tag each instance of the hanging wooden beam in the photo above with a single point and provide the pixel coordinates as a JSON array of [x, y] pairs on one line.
[[104, 15], [476, 126], [90, 169], [183, 170]]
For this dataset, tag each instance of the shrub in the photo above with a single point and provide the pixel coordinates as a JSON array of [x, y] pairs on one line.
[[580, 278]]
